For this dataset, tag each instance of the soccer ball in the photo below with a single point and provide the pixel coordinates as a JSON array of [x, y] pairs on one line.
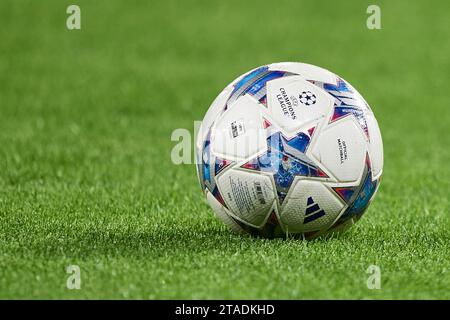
[[289, 149]]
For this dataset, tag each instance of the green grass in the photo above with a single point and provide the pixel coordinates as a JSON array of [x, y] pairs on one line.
[[85, 171]]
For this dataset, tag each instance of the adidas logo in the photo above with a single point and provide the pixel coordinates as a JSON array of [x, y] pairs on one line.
[[313, 211]]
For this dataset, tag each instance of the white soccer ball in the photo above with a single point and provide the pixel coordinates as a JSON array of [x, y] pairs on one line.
[[289, 149]]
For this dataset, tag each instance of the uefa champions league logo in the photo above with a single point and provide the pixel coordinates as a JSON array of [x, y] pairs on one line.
[[307, 98]]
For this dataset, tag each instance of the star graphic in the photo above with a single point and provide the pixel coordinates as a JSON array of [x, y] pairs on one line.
[[205, 167], [209, 171], [347, 103], [285, 159], [254, 84]]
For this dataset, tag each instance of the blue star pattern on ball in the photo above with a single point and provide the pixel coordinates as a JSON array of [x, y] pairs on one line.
[[357, 197], [205, 170], [285, 159], [209, 171], [347, 103], [254, 84]]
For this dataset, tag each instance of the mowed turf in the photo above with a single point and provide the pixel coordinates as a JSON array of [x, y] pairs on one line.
[[85, 140]]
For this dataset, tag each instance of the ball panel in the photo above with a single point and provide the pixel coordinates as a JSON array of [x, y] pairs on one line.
[[292, 107], [239, 132], [248, 195], [222, 214], [341, 148], [310, 207]]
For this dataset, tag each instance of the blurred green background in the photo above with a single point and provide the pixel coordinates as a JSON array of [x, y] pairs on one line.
[[85, 172]]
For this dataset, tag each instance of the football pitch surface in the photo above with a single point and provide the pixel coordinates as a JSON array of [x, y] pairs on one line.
[[86, 176]]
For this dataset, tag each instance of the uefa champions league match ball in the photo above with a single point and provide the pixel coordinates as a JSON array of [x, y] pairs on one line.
[[289, 149]]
